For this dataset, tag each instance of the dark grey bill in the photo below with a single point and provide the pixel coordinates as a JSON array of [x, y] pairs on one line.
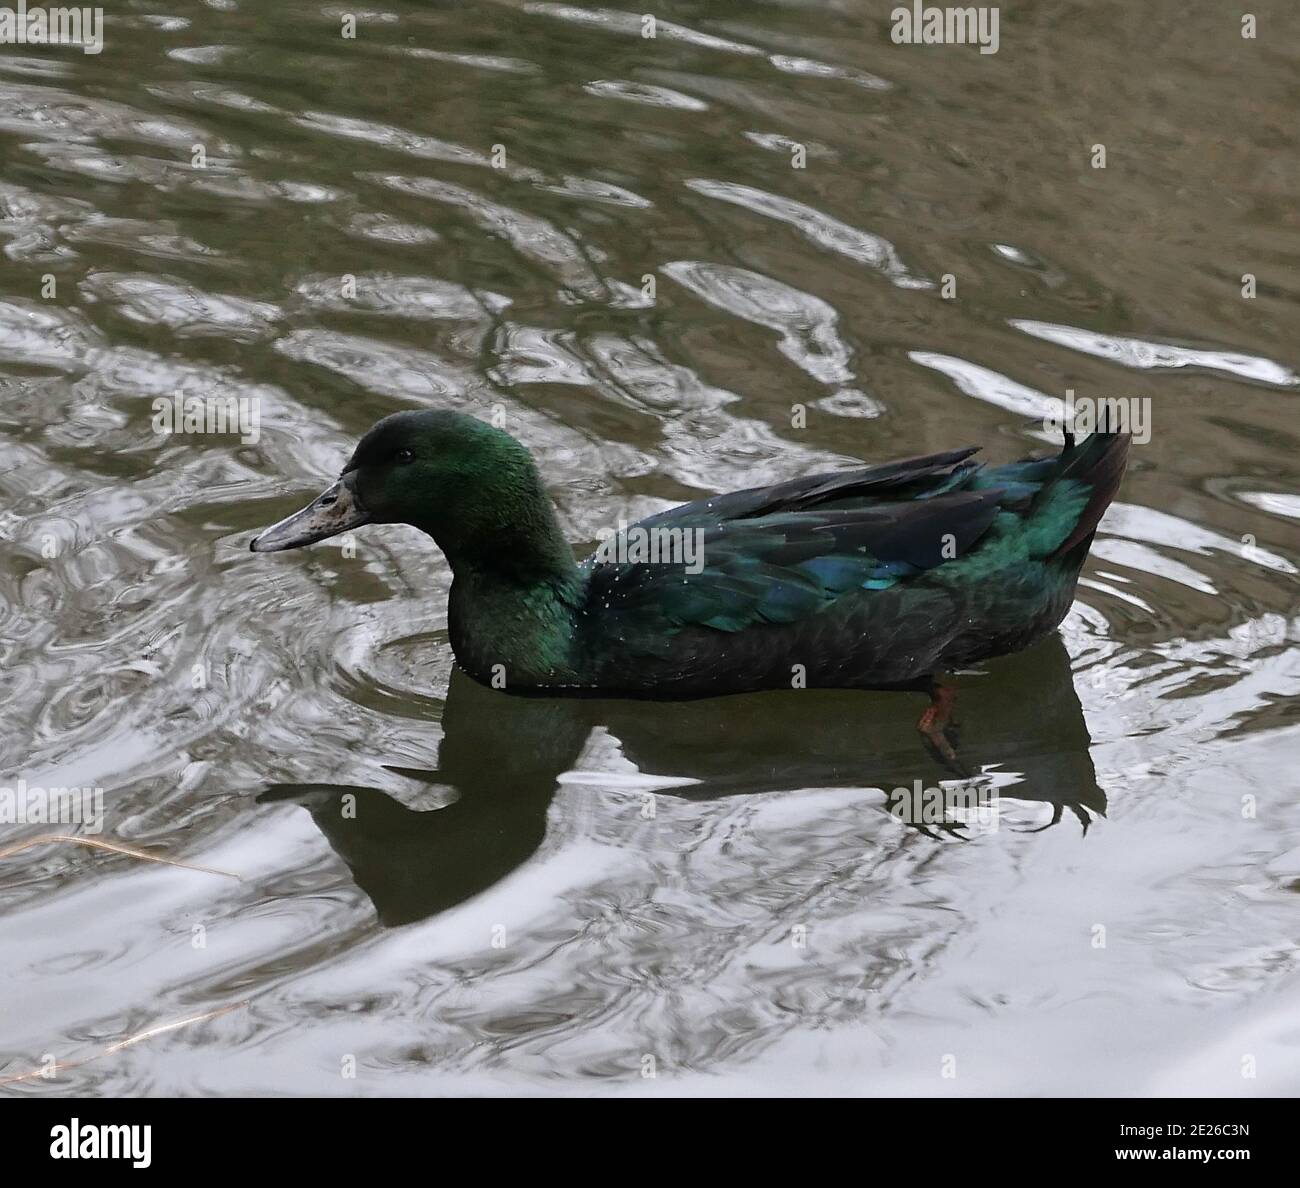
[[334, 510]]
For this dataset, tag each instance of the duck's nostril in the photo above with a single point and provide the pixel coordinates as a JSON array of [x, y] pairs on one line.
[[326, 500]]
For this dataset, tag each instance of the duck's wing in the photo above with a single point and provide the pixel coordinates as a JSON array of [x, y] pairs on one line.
[[779, 554], [905, 478], [695, 569]]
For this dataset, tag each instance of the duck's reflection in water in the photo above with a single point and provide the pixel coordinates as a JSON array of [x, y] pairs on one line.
[[501, 757]]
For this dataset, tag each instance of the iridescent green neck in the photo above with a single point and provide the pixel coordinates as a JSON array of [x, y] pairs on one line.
[[513, 635], [511, 607]]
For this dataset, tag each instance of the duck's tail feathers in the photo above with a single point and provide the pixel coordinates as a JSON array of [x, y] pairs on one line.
[[1098, 462]]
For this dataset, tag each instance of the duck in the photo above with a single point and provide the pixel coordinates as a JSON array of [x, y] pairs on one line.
[[881, 577]]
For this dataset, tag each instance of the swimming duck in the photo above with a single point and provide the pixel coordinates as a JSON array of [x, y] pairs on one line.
[[879, 577]]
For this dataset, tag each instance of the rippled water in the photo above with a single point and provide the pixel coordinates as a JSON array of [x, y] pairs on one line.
[[604, 234]]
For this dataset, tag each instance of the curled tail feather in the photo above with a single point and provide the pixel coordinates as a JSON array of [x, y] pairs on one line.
[[1099, 463]]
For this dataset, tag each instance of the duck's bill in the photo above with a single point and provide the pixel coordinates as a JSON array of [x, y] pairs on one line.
[[334, 510]]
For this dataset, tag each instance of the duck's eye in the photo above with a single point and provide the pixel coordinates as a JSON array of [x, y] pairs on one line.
[[404, 456]]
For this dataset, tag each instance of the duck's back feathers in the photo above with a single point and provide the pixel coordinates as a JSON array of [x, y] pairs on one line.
[[777, 554], [928, 473], [776, 568], [920, 540]]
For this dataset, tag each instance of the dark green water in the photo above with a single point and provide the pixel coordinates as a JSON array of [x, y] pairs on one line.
[[715, 886]]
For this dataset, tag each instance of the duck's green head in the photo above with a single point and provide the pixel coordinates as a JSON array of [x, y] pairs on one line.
[[469, 485]]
